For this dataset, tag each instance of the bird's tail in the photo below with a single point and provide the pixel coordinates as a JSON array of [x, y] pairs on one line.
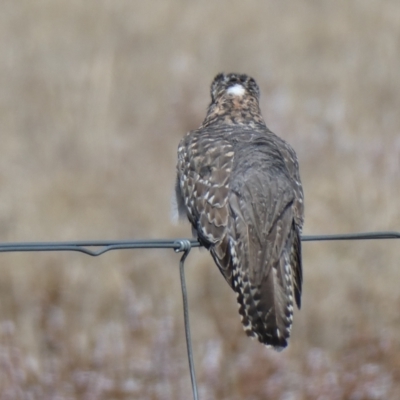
[[262, 277], [266, 309]]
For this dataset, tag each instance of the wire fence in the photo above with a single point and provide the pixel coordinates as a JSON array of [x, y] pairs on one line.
[[179, 245], [108, 245]]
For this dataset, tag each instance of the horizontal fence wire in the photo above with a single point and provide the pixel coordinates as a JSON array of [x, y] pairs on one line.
[[108, 245]]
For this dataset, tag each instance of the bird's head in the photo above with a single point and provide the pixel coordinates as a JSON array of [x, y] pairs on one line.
[[234, 101], [233, 85]]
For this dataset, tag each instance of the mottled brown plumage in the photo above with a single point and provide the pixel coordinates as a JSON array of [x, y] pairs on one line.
[[240, 188]]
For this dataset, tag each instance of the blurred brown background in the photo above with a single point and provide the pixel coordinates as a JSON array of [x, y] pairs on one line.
[[94, 98]]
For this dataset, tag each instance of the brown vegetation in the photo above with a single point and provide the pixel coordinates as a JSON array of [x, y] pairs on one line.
[[94, 97]]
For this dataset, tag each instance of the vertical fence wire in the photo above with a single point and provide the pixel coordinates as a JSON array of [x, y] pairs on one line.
[[186, 247]]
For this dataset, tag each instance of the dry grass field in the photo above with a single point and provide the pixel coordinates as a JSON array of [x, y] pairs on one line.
[[94, 97]]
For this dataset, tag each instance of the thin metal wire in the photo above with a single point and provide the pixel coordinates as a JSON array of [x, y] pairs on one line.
[[185, 246], [353, 236], [108, 245]]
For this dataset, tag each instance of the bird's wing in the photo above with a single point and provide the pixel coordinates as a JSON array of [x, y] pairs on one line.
[[205, 164], [292, 165]]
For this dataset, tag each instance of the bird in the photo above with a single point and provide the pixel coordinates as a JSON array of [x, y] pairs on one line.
[[239, 186]]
